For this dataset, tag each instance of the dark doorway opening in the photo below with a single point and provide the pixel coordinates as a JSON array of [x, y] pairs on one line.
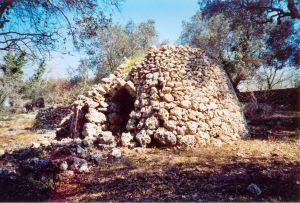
[[125, 103]]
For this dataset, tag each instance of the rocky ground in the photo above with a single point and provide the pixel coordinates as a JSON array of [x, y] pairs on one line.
[[263, 167]]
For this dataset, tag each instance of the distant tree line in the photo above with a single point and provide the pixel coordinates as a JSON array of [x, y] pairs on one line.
[[108, 47], [13, 87]]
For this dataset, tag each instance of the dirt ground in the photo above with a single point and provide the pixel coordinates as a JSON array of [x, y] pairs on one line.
[[16, 133], [204, 174], [269, 158]]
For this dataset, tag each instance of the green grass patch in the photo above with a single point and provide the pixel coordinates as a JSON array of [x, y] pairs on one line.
[[132, 61]]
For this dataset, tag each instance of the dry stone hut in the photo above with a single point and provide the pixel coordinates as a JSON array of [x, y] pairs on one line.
[[176, 96]]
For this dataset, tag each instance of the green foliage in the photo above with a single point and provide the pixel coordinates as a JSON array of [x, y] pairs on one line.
[[34, 87], [131, 62], [39, 72], [236, 49], [13, 88], [11, 80], [230, 33], [111, 45], [13, 63]]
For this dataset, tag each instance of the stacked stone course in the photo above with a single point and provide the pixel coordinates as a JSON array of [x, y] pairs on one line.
[[50, 118], [175, 97]]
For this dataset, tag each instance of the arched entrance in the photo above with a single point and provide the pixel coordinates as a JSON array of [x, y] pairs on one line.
[[122, 103]]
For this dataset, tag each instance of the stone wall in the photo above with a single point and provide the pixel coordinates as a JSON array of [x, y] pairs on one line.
[[175, 97], [52, 117], [287, 98]]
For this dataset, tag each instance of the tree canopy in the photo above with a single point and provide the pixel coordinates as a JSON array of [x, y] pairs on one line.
[[229, 32], [259, 11], [262, 13], [110, 46], [38, 26]]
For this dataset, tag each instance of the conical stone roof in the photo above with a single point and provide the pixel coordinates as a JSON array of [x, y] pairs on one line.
[[175, 97]]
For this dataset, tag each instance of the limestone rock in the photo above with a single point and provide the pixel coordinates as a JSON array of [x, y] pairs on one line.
[[126, 139], [35, 145], [143, 138], [186, 104], [165, 138], [45, 143], [131, 124], [187, 141], [96, 156], [204, 135], [91, 103], [63, 166], [163, 114], [170, 125], [95, 116], [129, 86], [79, 165], [152, 123], [168, 97], [177, 112], [52, 117], [116, 153], [36, 166], [254, 189], [88, 141], [90, 130], [106, 137], [103, 104], [192, 127]]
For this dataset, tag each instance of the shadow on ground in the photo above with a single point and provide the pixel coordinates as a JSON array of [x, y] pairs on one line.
[[280, 125], [24, 180], [201, 181]]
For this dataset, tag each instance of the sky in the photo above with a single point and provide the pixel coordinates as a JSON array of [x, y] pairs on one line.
[[167, 14]]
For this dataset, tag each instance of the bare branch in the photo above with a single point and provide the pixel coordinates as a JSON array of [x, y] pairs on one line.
[[280, 13]]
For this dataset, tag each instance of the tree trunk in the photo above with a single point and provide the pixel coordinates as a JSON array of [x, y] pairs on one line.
[[235, 84]]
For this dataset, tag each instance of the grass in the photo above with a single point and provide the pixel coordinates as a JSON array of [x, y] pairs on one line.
[[15, 132], [132, 61], [183, 159], [19, 121], [15, 125]]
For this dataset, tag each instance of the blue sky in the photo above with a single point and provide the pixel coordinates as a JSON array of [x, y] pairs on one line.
[[168, 16]]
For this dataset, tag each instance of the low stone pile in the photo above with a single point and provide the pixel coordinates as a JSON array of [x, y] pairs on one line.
[[176, 96], [29, 174], [52, 117]]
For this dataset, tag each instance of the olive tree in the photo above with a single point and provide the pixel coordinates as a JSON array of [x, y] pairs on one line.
[[237, 49], [111, 45], [230, 32]]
